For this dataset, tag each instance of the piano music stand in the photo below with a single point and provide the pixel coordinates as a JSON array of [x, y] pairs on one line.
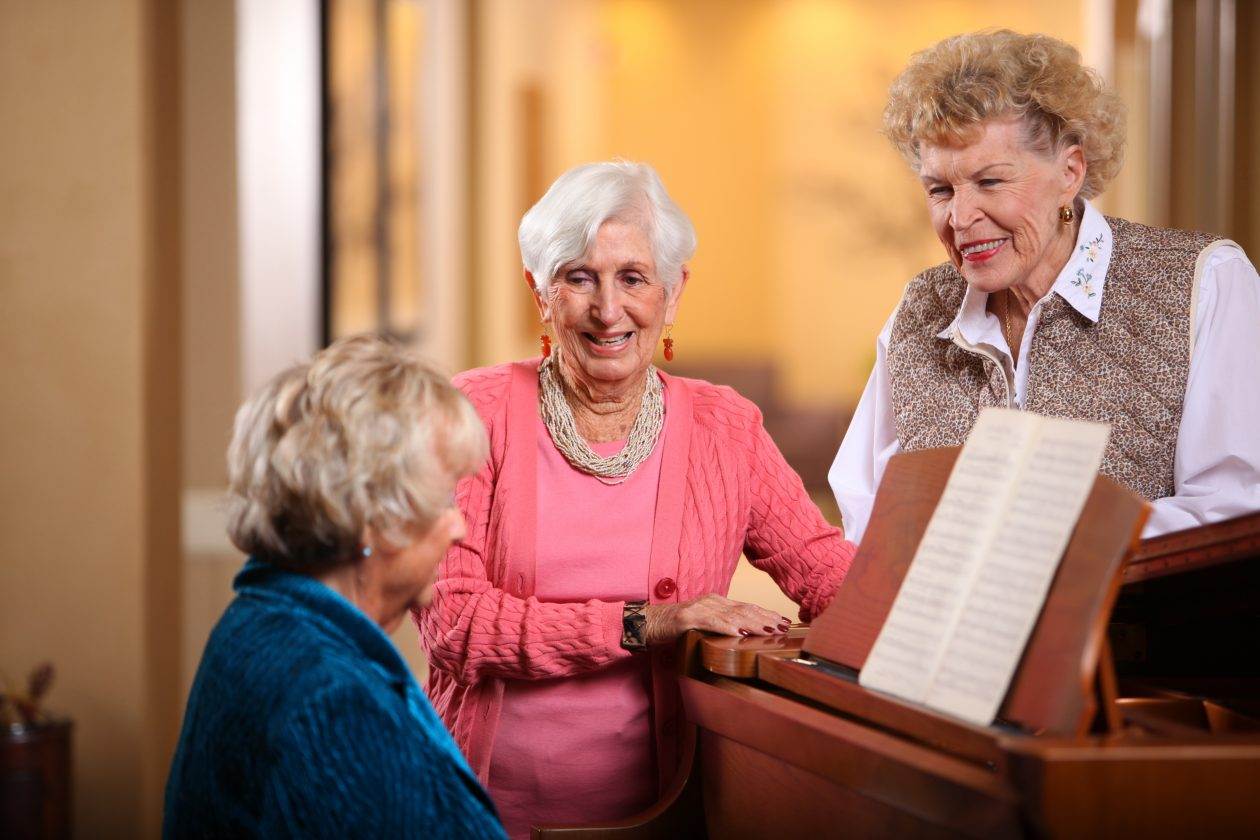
[[1054, 689]]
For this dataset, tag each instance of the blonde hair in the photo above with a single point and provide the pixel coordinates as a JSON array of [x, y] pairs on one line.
[[365, 435], [950, 89]]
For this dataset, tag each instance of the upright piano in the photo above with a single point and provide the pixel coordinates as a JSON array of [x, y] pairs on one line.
[[1135, 709]]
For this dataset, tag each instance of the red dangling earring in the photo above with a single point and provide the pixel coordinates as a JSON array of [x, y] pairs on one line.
[[669, 343], [546, 345]]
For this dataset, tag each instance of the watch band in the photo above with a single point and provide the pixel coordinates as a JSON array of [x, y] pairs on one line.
[[634, 625]]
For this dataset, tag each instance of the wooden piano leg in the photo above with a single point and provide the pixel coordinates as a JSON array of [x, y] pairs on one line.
[[679, 813]]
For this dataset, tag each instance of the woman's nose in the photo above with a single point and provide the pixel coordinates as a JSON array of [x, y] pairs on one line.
[[963, 210], [608, 304]]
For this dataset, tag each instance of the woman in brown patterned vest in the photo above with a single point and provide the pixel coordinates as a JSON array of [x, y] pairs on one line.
[[1047, 305]]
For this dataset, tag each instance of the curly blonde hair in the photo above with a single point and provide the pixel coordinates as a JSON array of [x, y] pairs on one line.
[[365, 435], [950, 89]]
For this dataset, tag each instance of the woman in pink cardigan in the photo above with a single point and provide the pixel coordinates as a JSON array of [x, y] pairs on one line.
[[607, 522]]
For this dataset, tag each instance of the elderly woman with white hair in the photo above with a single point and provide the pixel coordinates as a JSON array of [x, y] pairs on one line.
[[304, 720], [608, 520]]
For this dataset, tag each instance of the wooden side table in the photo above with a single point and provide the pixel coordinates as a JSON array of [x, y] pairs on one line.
[[35, 781]]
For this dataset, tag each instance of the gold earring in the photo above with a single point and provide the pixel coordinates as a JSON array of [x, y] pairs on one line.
[[546, 341], [669, 343], [1066, 214]]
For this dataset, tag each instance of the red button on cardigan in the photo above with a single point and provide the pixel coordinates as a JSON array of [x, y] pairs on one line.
[[665, 587]]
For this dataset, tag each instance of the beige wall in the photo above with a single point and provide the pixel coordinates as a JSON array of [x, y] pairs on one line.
[[89, 538], [211, 337]]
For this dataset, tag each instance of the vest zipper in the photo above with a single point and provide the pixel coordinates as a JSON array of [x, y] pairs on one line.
[[1008, 386]]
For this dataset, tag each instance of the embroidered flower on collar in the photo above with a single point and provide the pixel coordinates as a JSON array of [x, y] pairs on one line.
[[1092, 248], [1084, 281]]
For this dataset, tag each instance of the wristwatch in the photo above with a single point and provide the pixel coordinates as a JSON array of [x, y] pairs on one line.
[[634, 625]]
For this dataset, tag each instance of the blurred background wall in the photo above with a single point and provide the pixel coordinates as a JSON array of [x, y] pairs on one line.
[[193, 194]]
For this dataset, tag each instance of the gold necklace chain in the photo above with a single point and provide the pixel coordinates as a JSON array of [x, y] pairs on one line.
[[1006, 321]]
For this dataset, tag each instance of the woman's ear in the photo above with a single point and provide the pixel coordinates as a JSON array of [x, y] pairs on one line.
[[369, 545], [538, 298], [1073, 162], [674, 295]]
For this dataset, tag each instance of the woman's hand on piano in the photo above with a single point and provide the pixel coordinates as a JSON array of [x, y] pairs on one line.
[[713, 614]]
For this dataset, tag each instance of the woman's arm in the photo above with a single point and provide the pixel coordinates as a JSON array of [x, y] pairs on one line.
[[787, 535], [869, 442], [474, 630], [1216, 471]]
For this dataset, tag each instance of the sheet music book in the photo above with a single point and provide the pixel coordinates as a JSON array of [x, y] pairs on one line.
[[971, 597]]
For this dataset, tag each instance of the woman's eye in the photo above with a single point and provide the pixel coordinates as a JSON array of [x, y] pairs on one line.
[[939, 192], [634, 280], [990, 182]]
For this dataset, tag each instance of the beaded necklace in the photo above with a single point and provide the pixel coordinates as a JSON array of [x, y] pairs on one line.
[[557, 415]]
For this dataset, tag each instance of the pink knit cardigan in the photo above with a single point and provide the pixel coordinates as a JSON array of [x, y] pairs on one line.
[[724, 488]]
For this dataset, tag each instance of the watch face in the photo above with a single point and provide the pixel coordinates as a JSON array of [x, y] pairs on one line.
[[633, 621]]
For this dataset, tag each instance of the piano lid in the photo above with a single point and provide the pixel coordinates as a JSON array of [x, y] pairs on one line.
[[1195, 549]]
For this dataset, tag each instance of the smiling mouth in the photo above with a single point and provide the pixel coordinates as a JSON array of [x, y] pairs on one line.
[[615, 341], [976, 250]]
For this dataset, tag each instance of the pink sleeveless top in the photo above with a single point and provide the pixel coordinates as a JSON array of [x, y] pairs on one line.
[[579, 749]]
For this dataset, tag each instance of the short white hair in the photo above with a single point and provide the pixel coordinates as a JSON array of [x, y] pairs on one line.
[[365, 435], [561, 228]]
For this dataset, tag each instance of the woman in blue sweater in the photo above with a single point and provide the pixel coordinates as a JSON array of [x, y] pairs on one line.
[[304, 719]]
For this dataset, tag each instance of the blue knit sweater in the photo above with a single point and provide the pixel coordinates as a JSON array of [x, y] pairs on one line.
[[305, 721]]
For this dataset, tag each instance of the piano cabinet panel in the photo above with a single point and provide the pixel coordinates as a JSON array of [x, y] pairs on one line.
[[863, 768], [749, 794], [774, 767], [1141, 789]]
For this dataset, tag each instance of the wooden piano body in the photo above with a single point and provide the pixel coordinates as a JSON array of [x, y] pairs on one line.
[[1136, 708]]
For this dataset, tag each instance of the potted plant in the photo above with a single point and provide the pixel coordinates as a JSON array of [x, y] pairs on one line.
[[34, 761]]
